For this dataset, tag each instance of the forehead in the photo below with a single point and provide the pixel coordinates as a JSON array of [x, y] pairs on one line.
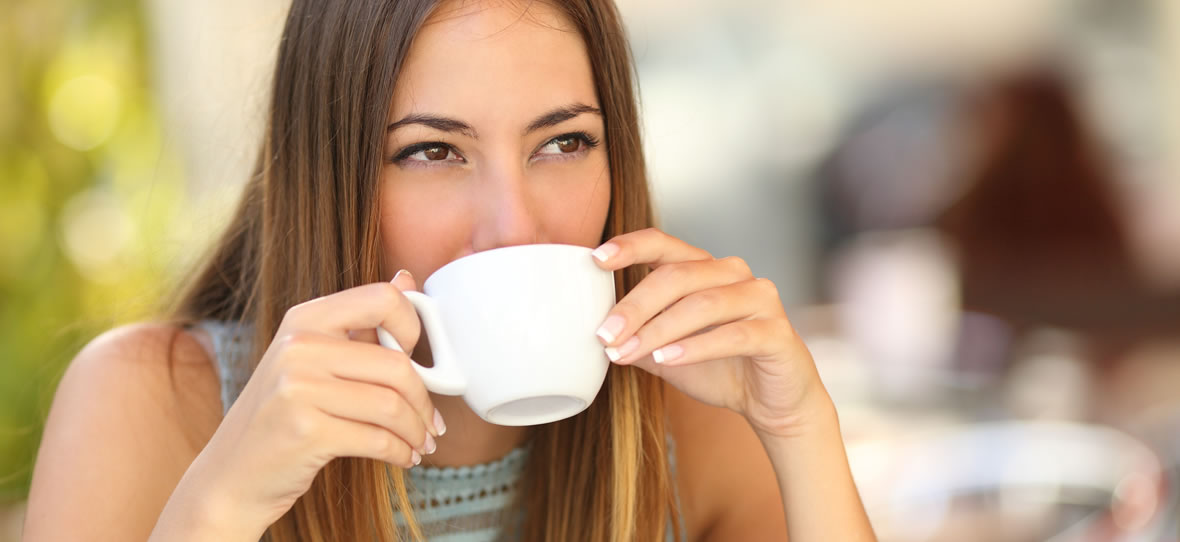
[[511, 57]]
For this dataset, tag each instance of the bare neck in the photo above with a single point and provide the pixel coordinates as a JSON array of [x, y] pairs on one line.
[[469, 439]]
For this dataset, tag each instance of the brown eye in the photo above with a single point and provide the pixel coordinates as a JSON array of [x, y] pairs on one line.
[[567, 145], [436, 153], [421, 154]]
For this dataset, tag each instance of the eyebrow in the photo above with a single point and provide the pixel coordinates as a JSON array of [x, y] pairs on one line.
[[445, 124]]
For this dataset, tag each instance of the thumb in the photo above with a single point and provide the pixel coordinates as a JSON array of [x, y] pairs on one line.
[[647, 364], [404, 281]]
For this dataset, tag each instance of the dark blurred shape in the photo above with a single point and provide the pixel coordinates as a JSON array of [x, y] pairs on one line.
[[1040, 237]]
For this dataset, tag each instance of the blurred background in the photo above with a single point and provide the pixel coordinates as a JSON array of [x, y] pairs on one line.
[[971, 209]]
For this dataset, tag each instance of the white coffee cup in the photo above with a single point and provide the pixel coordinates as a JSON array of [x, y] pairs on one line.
[[512, 330]]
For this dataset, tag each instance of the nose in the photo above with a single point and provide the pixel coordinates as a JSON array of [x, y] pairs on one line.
[[507, 211]]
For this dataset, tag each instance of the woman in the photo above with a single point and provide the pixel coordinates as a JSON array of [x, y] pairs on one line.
[[497, 124]]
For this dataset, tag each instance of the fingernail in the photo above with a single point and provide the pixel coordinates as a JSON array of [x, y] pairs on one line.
[[439, 426], [430, 445], [622, 351], [667, 353], [399, 273], [612, 353], [611, 328], [416, 457], [604, 252]]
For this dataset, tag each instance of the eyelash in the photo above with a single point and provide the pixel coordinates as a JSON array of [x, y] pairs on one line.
[[588, 140]]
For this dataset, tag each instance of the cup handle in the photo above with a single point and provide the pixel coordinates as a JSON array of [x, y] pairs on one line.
[[445, 377]]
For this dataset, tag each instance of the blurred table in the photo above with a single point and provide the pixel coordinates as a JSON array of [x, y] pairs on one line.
[[1048, 445]]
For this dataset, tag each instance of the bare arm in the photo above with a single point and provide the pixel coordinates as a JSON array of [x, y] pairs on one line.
[[116, 450], [113, 448], [726, 481], [818, 493], [738, 485]]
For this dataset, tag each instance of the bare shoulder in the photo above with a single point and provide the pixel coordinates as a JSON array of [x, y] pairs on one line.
[[727, 484], [149, 364], [131, 412]]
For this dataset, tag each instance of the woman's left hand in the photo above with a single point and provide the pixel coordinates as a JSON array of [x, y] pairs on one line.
[[713, 330]]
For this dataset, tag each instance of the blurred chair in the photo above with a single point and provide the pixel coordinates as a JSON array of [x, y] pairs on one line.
[[1040, 237], [1010, 174]]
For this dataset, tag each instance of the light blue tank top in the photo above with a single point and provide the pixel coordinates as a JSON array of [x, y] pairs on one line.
[[451, 504]]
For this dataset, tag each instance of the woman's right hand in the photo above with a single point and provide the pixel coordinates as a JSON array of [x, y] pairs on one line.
[[319, 392]]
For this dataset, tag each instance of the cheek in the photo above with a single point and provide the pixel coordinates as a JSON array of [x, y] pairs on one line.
[[599, 200], [600, 206], [576, 212], [418, 233]]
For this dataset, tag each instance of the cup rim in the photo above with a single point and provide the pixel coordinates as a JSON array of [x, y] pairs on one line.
[[498, 250]]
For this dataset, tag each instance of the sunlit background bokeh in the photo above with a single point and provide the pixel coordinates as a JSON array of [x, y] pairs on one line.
[[971, 208]]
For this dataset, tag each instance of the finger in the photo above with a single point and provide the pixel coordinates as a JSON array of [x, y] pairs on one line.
[[349, 438], [757, 339], [378, 365], [405, 332], [362, 307], [650, 246], [663, 287], [742, 300], [376, 405], [363, 335], [404, 281]]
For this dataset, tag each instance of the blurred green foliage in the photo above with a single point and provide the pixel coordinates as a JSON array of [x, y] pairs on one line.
[[89, 196]]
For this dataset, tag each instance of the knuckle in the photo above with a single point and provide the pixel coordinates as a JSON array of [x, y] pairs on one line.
[[400, 375], [295, 341], [393, 366], [737, 264], [673, 273], [302, 425], [707, 301], [383, 442], [289, 387], [790, 335], [400, 370], [645, 235], [386, 292], [391, 406], [767, 286]]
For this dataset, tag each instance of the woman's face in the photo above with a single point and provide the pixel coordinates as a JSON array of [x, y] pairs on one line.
[[495, 138]]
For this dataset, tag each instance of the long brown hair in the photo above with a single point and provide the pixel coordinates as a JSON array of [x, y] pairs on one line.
[[307, 226]]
